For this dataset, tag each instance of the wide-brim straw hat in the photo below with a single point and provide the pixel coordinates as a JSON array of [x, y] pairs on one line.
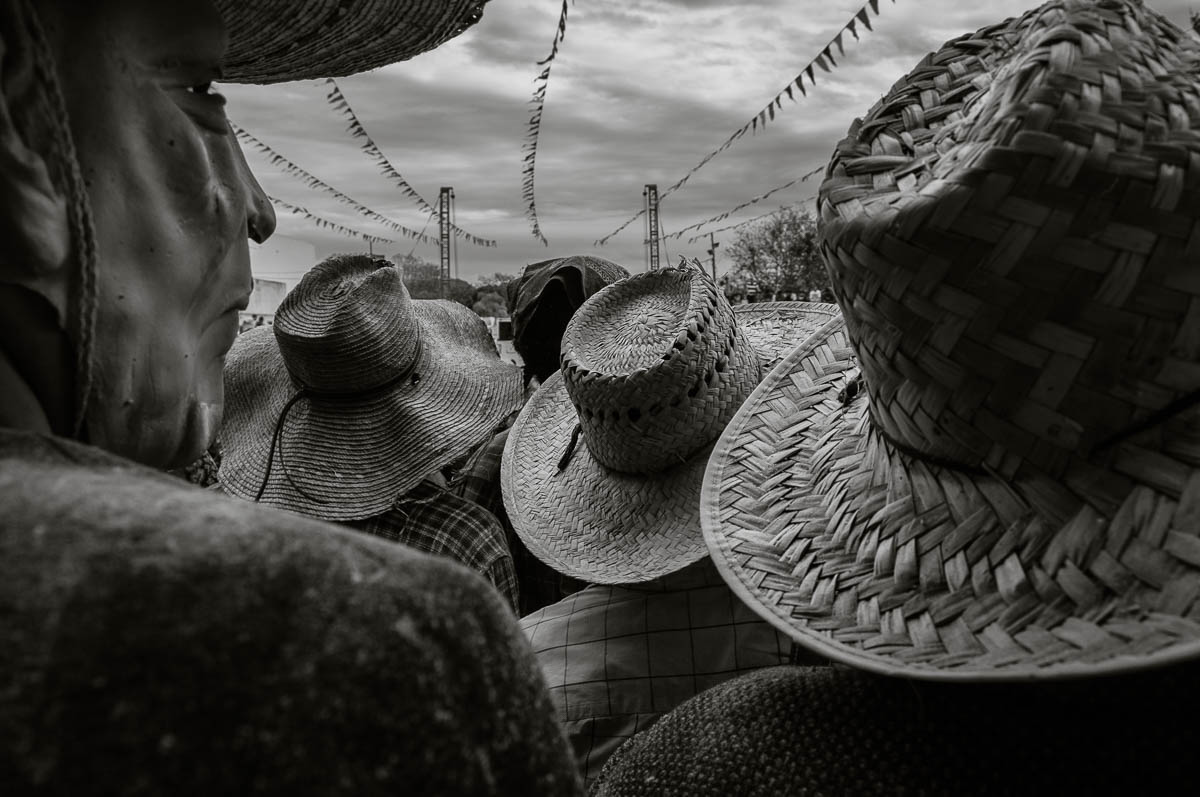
[[1011, 490], [652, 368], [357, 393], [277, 40]]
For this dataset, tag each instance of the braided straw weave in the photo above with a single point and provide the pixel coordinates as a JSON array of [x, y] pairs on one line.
[[277, 40], [652, 368], [400, 388], [1012, 234]]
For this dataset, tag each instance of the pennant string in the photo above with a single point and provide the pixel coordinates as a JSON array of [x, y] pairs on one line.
[[356, 130], [535, 126], [327, 224], [314, 182], [722, 216], [760, 120]]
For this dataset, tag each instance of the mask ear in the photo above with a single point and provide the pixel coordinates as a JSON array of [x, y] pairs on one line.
[[35, 224]]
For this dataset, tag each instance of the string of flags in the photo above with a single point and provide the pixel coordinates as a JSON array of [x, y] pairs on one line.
[[538, 104], [746, 204], [823, 61], [327, 224], [314, 182], [743, 223], [356, 130]]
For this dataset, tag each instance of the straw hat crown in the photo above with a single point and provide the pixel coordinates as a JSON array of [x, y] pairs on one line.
[[1020, 290], [667, 374], [348, 326]]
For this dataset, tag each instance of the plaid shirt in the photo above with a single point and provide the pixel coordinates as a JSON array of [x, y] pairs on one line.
[[434, 520], [617, 658], [479, 480]]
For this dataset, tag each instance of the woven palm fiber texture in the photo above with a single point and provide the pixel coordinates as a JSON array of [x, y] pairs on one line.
[[357, 393], [1012, 235], [277, 40], [601, 473], [833, 731]]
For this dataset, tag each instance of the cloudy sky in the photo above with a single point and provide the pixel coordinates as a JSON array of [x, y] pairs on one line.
[[640, 92]]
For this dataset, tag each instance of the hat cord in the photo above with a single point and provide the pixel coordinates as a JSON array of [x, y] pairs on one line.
[[305, 391], [566, 457], [1159, 416]]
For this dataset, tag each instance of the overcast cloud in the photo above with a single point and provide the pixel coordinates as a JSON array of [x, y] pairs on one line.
[[641, 90]]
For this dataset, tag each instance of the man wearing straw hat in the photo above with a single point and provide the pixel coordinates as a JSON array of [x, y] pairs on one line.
[[541, 301], [981, 489], [601, 477], [158, 638], [349, 408]]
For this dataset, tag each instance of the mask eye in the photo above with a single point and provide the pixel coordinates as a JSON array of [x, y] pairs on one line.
[[203, 89]]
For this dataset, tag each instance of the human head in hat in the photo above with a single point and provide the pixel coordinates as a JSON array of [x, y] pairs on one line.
[[354, 403], [358, 392], [981, 481], [168, 639], [601, 481], [542, 301]]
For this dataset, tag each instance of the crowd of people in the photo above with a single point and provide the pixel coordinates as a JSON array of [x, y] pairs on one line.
[[939, 537]]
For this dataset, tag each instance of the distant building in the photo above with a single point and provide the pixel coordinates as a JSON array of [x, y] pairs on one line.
[[283, 260]]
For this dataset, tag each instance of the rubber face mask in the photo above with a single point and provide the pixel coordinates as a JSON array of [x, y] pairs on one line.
[[173, 204]]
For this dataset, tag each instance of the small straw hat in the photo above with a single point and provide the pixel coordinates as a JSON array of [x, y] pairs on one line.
[[990, 469], [277, 40], [601, 473], [357, 393]]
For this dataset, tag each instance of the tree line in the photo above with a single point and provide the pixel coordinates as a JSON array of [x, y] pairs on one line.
[[774, 258], [423, 280]]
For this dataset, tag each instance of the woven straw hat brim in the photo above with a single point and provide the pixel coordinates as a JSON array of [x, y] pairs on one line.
[[277, 40], [875, 559], [606, 527], [356, 457]]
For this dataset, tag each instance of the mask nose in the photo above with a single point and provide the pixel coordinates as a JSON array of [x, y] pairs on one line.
[[260, 216]]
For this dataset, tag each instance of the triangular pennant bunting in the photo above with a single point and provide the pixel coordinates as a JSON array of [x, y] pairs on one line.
[[528, 194], [824, 61]]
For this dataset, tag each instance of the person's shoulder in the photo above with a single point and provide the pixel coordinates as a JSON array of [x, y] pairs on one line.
[[91, 508], [142, 611]]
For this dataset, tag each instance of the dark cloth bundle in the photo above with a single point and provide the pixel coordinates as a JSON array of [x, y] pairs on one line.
[[542, 300], [834, 731], [156, 639]]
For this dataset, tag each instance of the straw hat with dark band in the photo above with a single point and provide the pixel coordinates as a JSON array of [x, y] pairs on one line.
[[277, 40], [357, 393], [601, 473], [1012, 489]]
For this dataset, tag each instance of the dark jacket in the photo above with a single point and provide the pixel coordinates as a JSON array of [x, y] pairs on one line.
[[156, 638]]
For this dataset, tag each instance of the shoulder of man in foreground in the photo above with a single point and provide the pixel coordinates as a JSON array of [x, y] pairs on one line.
[[160, 638]]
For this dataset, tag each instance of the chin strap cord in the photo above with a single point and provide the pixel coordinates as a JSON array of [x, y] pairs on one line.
[[23, 30]]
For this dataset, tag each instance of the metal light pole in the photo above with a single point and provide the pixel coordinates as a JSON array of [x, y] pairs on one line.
[[446, 199]]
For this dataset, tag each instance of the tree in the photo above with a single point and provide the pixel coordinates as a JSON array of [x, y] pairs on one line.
[[417, 268], [491, 295], [780, 254], [423, 280], [490, 304]]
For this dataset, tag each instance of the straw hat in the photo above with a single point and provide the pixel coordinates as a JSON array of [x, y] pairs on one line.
[[1012, 489], [276, 40], [601, 473], [357, 393]]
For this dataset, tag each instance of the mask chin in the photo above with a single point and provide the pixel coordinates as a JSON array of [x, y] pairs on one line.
[[203, 423], [174, 440]]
